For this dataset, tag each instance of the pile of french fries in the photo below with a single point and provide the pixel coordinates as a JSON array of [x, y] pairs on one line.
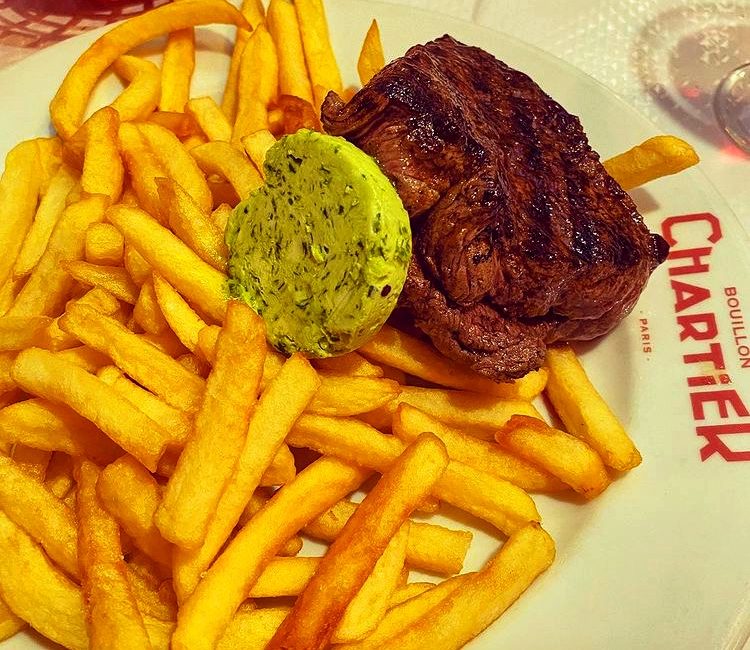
[[160, 465]]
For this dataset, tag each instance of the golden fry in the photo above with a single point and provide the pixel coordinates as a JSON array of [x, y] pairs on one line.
[[146, 311], [182, 125], [138, 268], [284, 27], [482, 597], [45, 425], [37, 591], [131, 495], [258, 143], [280, 404], [371, 59], [140, 97], [286, 576], [69, 103], [220, 216], [20, 185], [210, 118], [59, 476], [103, 170], [178, 163], [498, 502], [560, 453], [660, 156], [19, 332], [225, 160], [104, 245], [205, 615], [345, 396], [349, 364], [153, 369], [583, 411], [397, 349], [258, 84], [143, 168], [43, 374], [177, 70], [10, 624], [321, 61], [252, 630], [52, 524], [180, 316], [386, 507], [33, 462], [176, 263], [112, 612], [409, 422], [114, 279], [192, 225], [221, 424]]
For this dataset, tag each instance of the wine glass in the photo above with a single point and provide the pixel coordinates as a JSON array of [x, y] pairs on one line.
[[732, 105]]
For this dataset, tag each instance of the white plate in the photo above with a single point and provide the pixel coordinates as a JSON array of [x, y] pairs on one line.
[[661, 559]]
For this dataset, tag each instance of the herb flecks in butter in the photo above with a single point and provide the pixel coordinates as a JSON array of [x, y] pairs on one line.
[[321, 250]]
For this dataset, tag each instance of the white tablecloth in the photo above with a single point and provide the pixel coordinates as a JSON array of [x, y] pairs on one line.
[[664, 57]]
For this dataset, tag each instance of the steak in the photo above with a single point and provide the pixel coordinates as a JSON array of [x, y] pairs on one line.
[[520, 237]]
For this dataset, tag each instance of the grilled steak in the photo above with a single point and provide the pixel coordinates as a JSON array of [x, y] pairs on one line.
[[521, 238]]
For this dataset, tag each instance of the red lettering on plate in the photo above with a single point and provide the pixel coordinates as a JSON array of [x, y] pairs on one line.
[[670, 226], [699, 327], [697, 264], [688, 295], [715, 445], [723, 399]]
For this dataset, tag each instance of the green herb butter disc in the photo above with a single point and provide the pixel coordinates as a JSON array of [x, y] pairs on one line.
[[321, 250]]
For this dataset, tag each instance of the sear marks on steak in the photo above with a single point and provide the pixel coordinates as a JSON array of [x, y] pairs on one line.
[[521, 238]]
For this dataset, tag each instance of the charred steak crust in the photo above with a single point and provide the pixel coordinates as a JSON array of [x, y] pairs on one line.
[[521, 238]]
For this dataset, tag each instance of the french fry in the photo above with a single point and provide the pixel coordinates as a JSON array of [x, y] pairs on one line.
[[252, 630], [561, 454], [397, 349], [50, 159], [258, 84], [114, 279], [429, 547], [195, 364], [371, 59], [409, 422], [38, 592], [228, 162], [112, 612], [177, 423], [146, 311], [583, 411], [178, 163], [345, 396], [287, 576], [141, 95], [6, 363], [48, 212], [84, 357], [660, 156], [483, 597], [154, 596], [406, 614], [19, 332], [166, 342], [47, 426], [280, 404], [296, 114], [349, 364], [131, 495], [32, 461], [258, 143], [220, 216], [192, 225], [176, 263], [285, 30], [41, 373], [59, 476], [254, 13], [138, 268], [281, 470], [498, 502], [20, 185], [49, 285], [151, 368], [408, 591], [143, 167], [210, 118], [481, 415], [104, 245], [211, 454], [181, 124], [53, 525], [177, 70], [205, 615], [321, 61], [352, 557], [69, 103], [180, 316], [370, 603], [10, 624]]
